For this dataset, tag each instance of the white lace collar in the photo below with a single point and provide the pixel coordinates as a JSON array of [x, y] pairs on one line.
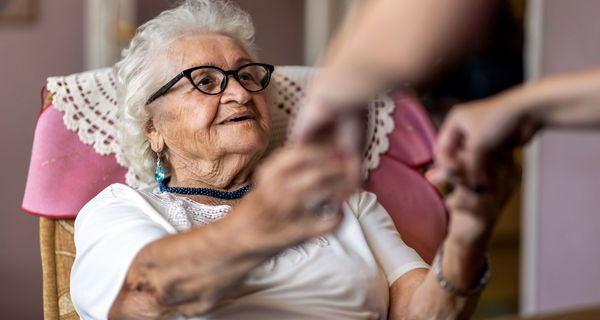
[[184, 213]]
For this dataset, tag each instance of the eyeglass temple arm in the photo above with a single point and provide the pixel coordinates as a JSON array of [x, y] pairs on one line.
[[165, 88]]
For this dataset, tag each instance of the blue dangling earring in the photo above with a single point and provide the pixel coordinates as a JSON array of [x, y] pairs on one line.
[[159, 170]]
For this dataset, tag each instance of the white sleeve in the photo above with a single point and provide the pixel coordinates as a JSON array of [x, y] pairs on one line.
[[109, 232], [392, 254]]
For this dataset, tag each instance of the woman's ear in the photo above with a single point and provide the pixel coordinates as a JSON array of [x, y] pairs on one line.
[[157, 143]]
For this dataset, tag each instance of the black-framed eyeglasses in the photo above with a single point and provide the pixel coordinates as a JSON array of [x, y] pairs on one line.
[[211, 80]]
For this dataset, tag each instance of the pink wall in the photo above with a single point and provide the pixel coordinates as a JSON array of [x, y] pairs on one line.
[[52, 44], [567, 261]]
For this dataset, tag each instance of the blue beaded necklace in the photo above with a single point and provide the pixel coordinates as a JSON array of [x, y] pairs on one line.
[[227, 195]]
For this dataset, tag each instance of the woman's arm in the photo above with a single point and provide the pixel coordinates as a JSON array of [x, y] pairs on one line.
[[192, 272], [418, 295], [473, 214], [381, 43], [385, 41], [188, 273]]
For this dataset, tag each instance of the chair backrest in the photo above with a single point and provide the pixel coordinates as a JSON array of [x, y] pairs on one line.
[[75, 137]]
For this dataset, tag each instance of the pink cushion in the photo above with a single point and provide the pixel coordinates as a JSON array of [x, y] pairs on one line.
[[64, 173], [413, 137], [414, 204]]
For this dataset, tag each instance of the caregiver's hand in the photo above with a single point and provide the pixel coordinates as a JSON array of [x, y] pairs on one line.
[[298, 194]]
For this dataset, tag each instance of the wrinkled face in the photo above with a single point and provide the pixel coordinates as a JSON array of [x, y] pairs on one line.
[[197, 126]]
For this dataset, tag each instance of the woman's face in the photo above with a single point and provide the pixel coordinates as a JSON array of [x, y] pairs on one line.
[[193, 125]]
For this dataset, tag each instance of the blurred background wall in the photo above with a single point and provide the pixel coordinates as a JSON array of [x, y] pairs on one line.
[[561, 264], [30, 50]]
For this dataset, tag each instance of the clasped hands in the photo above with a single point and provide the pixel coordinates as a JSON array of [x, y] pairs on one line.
[[472, 160]]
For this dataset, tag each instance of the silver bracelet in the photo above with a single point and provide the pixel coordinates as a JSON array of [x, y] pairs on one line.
[[484, 277]]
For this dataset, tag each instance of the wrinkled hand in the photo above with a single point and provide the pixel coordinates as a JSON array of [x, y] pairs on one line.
[[476, 132], [474, 212], [288, 183]]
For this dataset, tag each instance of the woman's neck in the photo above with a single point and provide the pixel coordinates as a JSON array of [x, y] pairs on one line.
[[226, 174]]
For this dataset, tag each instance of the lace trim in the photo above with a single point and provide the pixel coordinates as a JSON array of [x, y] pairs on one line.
[[183, 213], [88, 101]]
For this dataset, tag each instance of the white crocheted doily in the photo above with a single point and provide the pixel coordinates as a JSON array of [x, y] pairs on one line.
[[88, 101]]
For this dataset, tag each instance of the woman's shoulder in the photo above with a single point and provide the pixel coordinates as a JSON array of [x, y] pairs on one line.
[[362, 201], [116, 192], [117, 198]]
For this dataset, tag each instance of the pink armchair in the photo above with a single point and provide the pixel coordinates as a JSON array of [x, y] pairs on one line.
[[75, 155]]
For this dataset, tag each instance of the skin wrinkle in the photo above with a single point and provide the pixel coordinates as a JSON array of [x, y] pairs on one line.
[[202, 152], [176, 292], [202, 170], [207, 171]]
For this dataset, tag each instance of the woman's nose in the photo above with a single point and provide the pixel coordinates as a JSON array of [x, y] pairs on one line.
[[235, 92]]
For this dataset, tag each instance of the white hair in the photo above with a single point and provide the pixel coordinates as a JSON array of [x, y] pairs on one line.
[[139, 74]]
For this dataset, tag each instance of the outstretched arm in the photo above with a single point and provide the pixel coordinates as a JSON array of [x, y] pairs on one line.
[[382, 42], [475, 131]]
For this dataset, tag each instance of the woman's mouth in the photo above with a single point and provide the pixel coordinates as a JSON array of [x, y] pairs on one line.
[[238, 118]]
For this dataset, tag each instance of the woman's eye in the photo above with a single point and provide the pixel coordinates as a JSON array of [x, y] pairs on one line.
[[246, 76], [206, 81]]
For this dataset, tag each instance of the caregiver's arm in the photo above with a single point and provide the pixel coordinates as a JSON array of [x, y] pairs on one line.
[[190, 273], [385, 40], [473, 132], [380, 42]]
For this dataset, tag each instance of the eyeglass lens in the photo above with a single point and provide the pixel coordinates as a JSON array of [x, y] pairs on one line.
[[212, 80]]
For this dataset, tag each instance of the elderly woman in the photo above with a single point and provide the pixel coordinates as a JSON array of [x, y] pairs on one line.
[[219, 237]]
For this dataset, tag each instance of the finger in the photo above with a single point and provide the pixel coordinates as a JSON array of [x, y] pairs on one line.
[[188, 310], [449, 144], [298, 156], [309, 122], [474, 160], [350, 131], [322, 211], [439, 179], [463, 198], [317, 177], [489, 170], [353, 167], [506, 176], [324, 224], [323, 185]]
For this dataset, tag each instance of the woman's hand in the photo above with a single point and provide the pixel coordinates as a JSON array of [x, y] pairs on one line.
[[473, 216], [474, 212], [474, 133], [288, 186]]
